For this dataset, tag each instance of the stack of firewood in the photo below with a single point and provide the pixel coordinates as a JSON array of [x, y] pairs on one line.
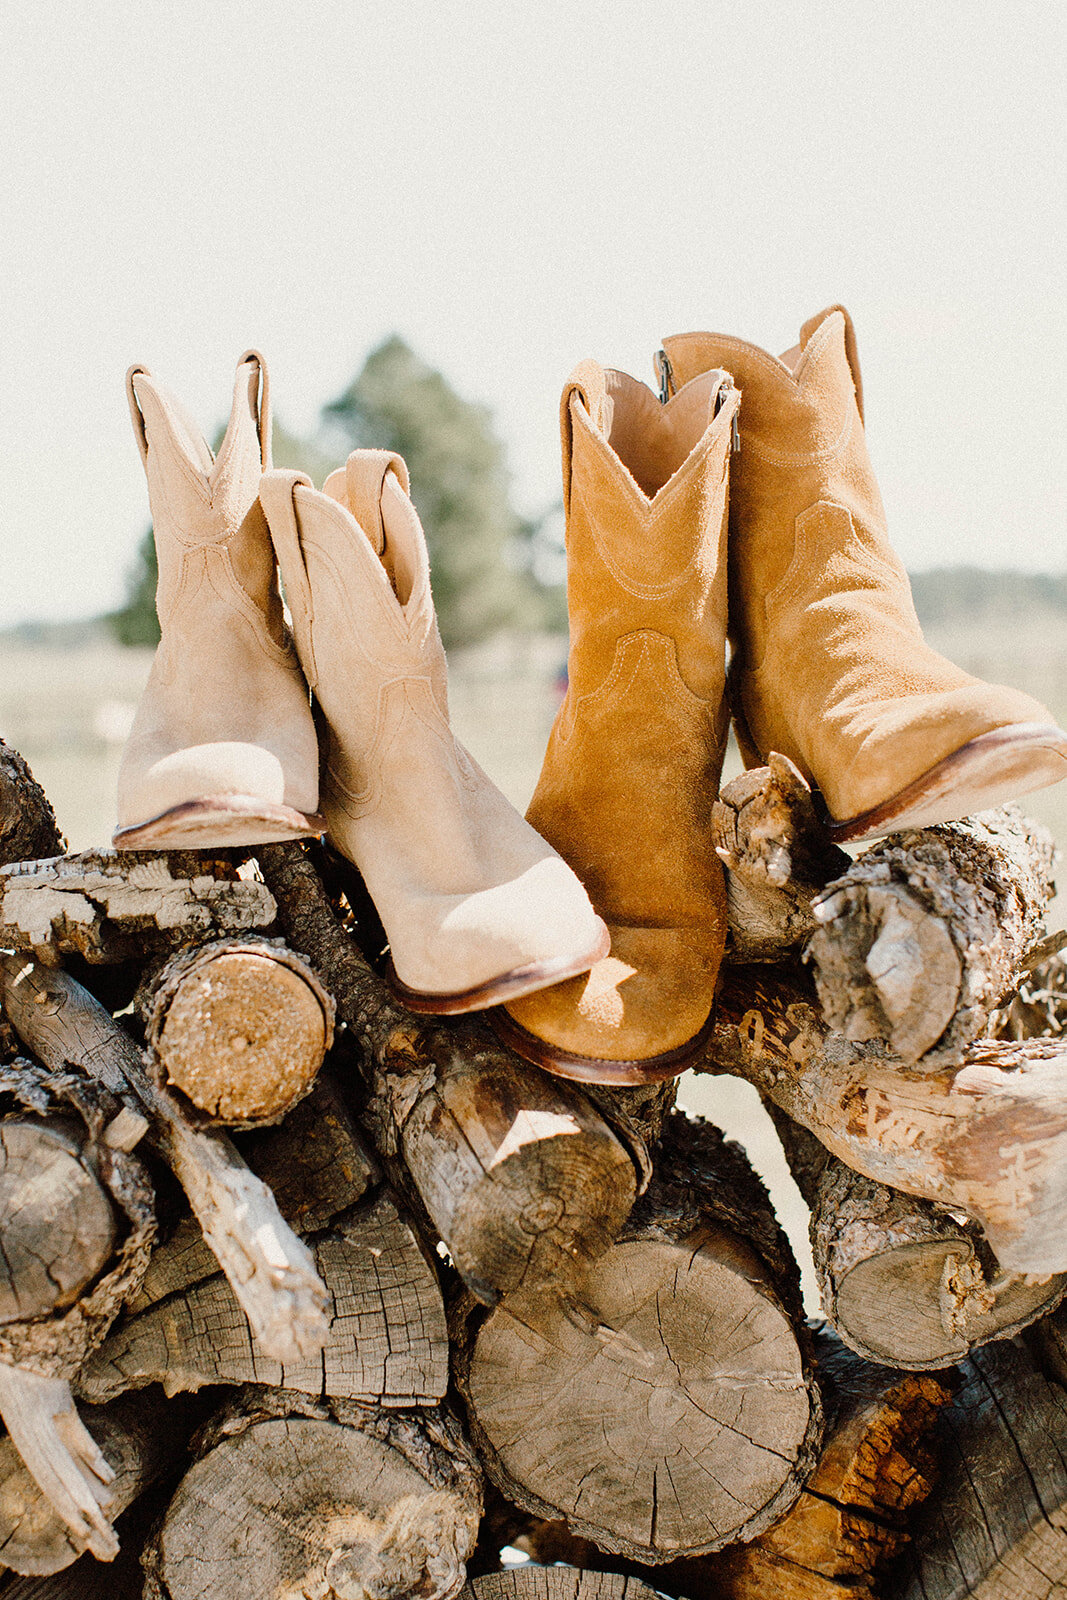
[[304, 1296]]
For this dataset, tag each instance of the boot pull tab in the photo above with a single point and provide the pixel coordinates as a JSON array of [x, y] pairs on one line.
[[140, 432], [852, 355], [263, 412], [588, 384], [365, 475]]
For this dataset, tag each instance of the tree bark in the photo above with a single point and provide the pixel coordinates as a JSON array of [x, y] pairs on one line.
[[386, 1342], [987, 1137], [522, 1178], [902, 1281], [670, 1409], [294, 1498], [270, 1271], [996, 1529], [110, 907], [27, 822], [920, 940], [236, 1029]]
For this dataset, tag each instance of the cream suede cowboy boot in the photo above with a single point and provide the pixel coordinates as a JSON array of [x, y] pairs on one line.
[[830, 667], [223, 748], [475, 905], [633, 763]]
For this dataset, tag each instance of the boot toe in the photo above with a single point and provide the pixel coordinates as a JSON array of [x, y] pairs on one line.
[[211, 795]]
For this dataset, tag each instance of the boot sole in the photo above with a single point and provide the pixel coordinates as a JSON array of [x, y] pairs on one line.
[[508, 986], [985, 772], [215, 822], [599, 1069]]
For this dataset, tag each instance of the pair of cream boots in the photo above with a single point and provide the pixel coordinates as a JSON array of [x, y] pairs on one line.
[[741, 500], [224, 749]]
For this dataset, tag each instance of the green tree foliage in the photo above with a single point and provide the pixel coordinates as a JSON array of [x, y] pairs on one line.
[[459, 483], [136, 622]]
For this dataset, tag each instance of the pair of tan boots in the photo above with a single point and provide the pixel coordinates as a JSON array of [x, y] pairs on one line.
[[742, 498]]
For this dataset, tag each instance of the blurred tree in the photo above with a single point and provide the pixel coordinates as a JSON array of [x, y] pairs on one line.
[[459, 483]]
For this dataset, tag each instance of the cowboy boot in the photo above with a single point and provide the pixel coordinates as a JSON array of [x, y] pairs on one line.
[[633, 761], [829, 664], [476, 906], [223, 748]]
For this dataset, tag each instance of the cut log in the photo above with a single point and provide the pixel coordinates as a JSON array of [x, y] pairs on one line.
[[778, 857], [139, 1436], [902, 1281], [237, 1030], [987, 1138], [555, 1583], [671, 1409], [921, 939], [522, 1178], [27, 822], [996, 1530], [1038, 1008], [270, 1270], [57, 1226], [312, 1503], [387, 1340], [107, 906]]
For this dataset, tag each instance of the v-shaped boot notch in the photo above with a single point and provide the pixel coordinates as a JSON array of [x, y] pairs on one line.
[[829, 664], [223, 749], [475, 905], [633, 761]]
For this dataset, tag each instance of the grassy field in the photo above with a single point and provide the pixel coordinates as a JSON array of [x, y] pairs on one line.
[[68, 711]]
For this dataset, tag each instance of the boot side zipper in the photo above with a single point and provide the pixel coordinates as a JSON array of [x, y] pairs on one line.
[[726, 389], [665, 374]]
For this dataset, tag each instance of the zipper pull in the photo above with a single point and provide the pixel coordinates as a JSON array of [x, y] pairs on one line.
[[665, 375], [726, 389]]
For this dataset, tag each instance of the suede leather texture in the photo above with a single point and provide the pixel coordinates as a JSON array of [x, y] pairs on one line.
[[634, 758], [466, 889], [226, 710], [830, 667]]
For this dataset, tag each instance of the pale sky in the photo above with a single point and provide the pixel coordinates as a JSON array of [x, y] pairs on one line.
[[513, 188]]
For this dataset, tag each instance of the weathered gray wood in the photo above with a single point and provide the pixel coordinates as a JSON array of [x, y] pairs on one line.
[[61, 1457], [270, 1270], [522, 1178], [987, 1137], [921, 938], [139, 1437], [236, 1029], [902, 1281], [112, 907], [555, 1583], [308, 1502], [386, 1342], [778, 857], [670, 1409], [998, 1528]]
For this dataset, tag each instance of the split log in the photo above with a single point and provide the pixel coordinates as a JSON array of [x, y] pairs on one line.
[[1038, 1008], [555, 1583], [521, 1177], [295, 1498], [386, 1342], [139, 1436], [236, 1029], [670, 1409], [27, 822], [109, 906], [270, 1270], [778, 857], [996, 1530], [921, 939], [903, 1281], [987, 1137]]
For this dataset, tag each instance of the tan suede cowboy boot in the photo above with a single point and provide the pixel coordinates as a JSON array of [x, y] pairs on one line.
[[475, 905], [633, 763], [223, 748], [830, 667]]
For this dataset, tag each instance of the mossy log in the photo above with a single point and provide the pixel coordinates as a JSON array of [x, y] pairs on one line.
[[670, 1408]]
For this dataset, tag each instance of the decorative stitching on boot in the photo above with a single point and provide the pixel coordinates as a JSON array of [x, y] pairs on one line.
[[647, 591], [657, 650]]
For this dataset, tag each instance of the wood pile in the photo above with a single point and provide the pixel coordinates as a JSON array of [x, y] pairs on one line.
[[302, 1295]]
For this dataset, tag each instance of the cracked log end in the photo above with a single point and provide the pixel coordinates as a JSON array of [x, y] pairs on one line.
[[556, 1583], [240, 1030], [298, 1506]]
